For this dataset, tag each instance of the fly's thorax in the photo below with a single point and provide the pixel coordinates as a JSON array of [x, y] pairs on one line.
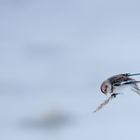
[[106, 87]]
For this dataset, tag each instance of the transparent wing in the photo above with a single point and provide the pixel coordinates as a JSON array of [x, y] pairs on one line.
[[130, 74]]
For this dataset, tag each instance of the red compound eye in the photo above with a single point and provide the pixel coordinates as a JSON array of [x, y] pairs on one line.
[[106, 86], [105, 89]]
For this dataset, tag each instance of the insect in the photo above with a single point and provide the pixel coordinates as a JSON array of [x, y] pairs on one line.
[[112, 84]]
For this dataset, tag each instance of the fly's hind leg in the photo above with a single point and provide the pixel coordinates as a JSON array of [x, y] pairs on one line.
[[136, 89]]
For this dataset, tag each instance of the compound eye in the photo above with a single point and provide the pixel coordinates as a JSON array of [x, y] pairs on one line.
[[106, 87]]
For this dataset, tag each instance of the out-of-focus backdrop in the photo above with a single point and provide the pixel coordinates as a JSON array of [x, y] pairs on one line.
[[54, 54]]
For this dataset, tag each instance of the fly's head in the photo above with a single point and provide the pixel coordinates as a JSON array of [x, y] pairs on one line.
[[106, 87]]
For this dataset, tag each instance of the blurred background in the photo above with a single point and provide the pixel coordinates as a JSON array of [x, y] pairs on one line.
[[54, 54]]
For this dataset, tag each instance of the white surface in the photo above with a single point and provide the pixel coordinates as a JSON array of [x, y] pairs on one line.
[[55, 54]]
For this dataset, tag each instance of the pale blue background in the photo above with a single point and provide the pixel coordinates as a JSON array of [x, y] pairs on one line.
[[55, 54]]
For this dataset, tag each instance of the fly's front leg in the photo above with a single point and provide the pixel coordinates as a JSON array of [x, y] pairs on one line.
[[114, 95]]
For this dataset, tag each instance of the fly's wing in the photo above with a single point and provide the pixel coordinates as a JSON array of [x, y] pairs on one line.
[[132, 74], [104, 103]]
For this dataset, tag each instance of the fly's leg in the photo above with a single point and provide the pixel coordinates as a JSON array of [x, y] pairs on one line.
[[114, 95]]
